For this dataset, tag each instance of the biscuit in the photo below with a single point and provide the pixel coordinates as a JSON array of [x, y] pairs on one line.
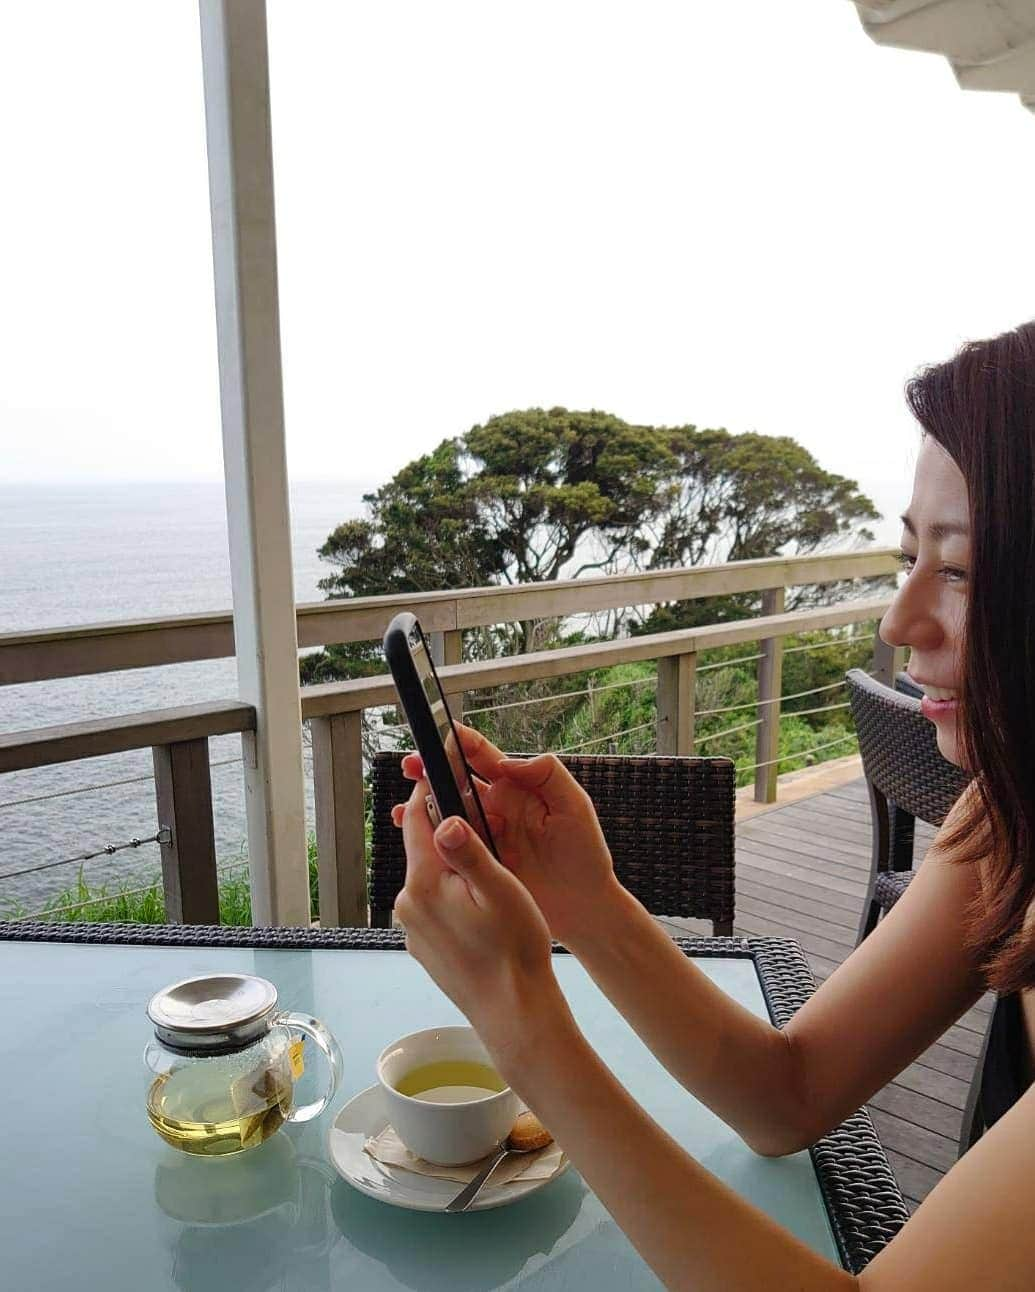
[[529, 1133]]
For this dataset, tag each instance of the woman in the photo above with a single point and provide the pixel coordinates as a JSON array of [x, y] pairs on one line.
[[966, 610]]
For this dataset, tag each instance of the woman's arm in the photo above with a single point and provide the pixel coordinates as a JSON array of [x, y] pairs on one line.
[[974, 1231], [741, 1066], [782, 1090], [548, 834], [692, 1229], [477, 931]]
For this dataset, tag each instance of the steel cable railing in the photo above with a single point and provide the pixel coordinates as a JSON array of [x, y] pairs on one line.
[[777, 699], [716, 735], [162, 835], [755, 704], [99, 785], [802, 753], [561, 695], [600, 740]]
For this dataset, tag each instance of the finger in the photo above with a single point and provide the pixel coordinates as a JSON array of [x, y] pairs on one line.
[[412, 767], [462, 851], [480, 752], [404, 910], [548, 777], [398, 811], [423, 866]]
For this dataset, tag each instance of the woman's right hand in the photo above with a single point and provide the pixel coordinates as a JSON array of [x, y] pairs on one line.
[[546, 831]]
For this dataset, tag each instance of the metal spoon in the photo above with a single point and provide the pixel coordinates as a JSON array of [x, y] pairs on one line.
[[527, 1136]]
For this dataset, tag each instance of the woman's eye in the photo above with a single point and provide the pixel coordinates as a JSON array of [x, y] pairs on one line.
[[950, 573]]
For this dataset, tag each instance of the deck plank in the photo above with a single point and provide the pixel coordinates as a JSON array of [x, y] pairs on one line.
[[785, 899]]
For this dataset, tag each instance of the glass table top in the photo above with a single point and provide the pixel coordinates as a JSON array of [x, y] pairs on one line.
[[91, 1198]]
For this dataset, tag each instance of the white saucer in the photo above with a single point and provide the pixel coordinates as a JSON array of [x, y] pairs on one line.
[[363, 1117]]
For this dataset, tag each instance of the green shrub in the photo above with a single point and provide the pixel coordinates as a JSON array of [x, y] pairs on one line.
[[136, 905]]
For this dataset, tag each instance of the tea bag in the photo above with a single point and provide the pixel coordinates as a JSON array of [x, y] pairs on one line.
[[257, 1094]]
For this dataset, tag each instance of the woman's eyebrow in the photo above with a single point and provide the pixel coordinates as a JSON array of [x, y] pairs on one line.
[[938, 530]]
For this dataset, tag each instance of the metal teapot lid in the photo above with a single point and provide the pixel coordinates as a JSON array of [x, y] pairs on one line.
[[213, 1012]]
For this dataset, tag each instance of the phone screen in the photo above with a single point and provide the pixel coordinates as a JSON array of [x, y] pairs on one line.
[[447, 734]]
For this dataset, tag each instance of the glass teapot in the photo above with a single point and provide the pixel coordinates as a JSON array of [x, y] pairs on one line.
[[224, 1061]]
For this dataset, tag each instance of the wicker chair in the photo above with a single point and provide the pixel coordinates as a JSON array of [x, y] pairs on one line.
[[907, 778], [667, 821]]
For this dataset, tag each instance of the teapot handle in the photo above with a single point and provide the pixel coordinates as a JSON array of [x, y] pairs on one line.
[[322, 1039]]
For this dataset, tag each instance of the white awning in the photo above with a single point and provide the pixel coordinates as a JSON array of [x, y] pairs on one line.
[[989, 43]]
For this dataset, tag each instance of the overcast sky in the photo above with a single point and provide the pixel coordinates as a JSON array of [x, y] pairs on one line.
[[737, 214]]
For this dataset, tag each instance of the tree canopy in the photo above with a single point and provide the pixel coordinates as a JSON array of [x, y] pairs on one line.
[[537, 495]]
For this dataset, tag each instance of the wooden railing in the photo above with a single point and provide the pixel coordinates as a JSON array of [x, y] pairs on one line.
[[179, 737], [44, 654]]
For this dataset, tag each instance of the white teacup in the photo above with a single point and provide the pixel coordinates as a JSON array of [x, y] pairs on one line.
[[444, 1133]]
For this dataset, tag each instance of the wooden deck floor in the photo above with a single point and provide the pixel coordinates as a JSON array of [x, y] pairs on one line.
[[802, 871]]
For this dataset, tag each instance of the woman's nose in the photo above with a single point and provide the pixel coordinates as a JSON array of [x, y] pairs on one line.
[[911, 620]]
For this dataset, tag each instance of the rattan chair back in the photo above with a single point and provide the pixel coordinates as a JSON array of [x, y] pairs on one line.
[[667, 821], [900, 751]]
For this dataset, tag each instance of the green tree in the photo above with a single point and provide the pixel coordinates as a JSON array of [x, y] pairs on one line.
[[744, 497], [537, 495], [547, 481], [520, 499], [424, 531]]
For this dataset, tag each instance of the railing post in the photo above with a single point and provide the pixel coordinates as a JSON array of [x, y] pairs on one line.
[[677, 675], [770, 687], [446, 647], [888, 661], [340, 836], [183, 792]]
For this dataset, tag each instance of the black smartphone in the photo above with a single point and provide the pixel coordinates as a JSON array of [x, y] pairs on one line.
[[454, 790]]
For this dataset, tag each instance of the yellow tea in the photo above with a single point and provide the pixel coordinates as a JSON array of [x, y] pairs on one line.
[[451, 1081], [197, 1110]]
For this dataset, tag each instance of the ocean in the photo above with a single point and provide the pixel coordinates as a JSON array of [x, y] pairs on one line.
[[76, 554]]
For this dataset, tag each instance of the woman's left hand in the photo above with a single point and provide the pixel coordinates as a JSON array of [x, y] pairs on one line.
[[477, 931]]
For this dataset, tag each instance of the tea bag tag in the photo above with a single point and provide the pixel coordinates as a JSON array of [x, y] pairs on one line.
[[295, 1056]]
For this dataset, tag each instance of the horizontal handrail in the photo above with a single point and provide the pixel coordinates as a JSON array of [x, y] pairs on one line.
[[43, 654], [116, 735], [178, 737], [369, 692], [20, 750]]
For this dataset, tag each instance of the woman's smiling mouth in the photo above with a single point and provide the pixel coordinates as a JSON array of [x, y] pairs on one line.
[[939, 702]]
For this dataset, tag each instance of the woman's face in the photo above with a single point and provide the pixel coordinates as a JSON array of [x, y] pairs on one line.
[[929, 610]]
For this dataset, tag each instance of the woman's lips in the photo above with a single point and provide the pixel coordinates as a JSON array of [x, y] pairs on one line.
[[938, 710]]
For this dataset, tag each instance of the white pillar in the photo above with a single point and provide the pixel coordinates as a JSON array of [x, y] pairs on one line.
[[240, 166]]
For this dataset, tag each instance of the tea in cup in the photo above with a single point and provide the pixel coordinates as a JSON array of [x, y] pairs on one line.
[[443, 1097]]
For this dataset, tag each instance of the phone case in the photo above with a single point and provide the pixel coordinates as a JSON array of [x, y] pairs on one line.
[[448, 798]]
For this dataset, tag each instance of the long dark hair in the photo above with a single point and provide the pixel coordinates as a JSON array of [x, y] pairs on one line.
[[980, 407]]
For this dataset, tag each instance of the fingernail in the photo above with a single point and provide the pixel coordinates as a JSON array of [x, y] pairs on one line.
[[450, 834]]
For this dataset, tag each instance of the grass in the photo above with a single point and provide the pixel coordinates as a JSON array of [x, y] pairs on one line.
[[146, 905]]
